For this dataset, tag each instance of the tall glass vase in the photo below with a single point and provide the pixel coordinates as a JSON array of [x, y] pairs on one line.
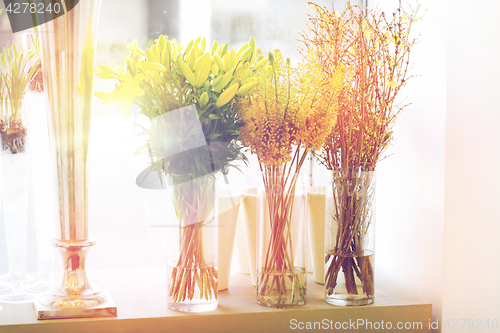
[[68, 46], [281, 235], [193, 244], [349, 237], [14, 175]]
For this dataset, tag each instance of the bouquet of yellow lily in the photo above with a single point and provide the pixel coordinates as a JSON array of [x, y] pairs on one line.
[[190, 96], [167, 77]]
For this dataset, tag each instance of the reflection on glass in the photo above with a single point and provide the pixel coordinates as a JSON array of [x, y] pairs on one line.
[[14, 175]]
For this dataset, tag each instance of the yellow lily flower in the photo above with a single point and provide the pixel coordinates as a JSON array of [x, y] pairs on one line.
[[127, 92]]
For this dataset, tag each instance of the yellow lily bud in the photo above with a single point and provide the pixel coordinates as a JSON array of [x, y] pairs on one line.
[[215, 45], [203, 44], [188, 73], [203, 100], [188, 47], [245, 55], [243, 49], [191, 58], [234, 59], [215, 69], [175, 49], [202, 74], [251, 43], [227, 95], [163, 40], [161, 44], [156, 54], [131, 47], [201, 60], [228, 64], [224, 49], [196, 52], [165, 58], [223, 83], [217, 80], [219, 50], [247, 87], [261, 63], [219, 62], [169, 47]]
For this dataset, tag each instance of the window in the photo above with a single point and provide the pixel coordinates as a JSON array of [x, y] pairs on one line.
[[121, 214]]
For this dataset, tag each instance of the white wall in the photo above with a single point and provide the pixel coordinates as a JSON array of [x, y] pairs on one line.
[[471, 288], [410, 183], [438, 199], [123, 20]]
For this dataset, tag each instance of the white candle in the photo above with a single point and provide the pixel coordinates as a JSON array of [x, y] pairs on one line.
[[316, 202], [228, 214]]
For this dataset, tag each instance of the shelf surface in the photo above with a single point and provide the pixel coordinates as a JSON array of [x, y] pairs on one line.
[[140, 297]]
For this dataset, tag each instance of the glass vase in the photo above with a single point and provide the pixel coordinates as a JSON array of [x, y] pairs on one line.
[[42, 184], [349, 237], [14, 175], [68, 45], [192, 272], [4, 282], [281, 237]]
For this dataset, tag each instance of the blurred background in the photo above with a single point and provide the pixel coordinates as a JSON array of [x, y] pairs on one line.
[[438, 194]]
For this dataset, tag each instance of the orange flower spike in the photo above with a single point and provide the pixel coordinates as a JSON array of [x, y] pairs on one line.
[[289, 108]]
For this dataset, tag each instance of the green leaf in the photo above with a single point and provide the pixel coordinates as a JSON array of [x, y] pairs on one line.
[[214, 136]]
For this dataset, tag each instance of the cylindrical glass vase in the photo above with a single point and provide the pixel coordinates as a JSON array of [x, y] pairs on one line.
[[282, 238], [193, 244], [14, 175], [4, 284], [349, 237], [42, 182]]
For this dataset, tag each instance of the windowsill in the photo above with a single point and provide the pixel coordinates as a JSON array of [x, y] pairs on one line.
[[140, 297]]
